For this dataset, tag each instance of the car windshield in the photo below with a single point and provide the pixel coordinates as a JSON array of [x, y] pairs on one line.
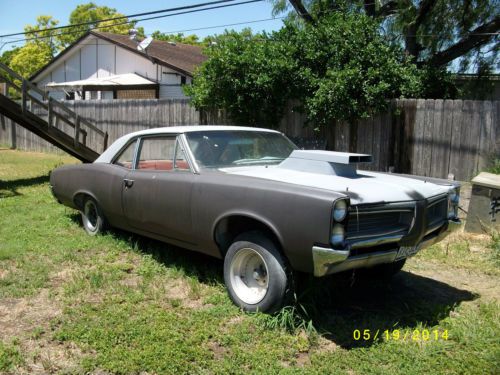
[[219, 149]]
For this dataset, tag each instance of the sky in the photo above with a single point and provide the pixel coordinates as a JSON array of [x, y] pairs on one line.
[[15, 14]]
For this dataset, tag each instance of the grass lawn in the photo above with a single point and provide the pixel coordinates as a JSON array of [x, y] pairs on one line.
[[121, 303]]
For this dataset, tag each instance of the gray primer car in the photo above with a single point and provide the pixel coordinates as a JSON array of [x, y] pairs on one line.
[[248, 195]]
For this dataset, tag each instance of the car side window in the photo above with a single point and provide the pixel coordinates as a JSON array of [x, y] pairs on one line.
[[180, 161], [126, 158], [156, 153]]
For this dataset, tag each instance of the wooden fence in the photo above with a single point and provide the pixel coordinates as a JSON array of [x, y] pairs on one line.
[[425, 137]]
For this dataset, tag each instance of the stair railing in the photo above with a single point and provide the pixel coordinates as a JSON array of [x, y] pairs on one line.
[[55, 109]]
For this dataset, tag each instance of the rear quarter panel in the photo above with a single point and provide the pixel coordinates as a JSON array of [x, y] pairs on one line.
[[101, 181]]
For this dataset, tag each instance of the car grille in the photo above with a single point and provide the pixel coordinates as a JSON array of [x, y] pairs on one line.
[[437, 212], [376, 222]]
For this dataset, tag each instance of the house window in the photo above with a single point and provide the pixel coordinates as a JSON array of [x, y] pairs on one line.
[[183, 80], [106, 94]]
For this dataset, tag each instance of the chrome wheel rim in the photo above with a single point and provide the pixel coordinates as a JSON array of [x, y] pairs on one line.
[[90, 216], [249, 276]]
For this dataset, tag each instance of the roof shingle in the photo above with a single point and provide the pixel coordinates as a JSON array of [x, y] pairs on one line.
[[183, 57]]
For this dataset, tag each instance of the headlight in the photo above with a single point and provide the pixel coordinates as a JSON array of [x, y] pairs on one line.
[[338, 234], [339, 210]]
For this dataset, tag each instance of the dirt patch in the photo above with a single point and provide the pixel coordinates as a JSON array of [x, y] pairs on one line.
[[20, 315], [48, 357], [28, 321], [325, 345], [486, 286], [182, 291], [217, 349], [61, 277]]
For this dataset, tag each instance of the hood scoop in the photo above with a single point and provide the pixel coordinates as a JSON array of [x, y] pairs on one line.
[[325, 162]]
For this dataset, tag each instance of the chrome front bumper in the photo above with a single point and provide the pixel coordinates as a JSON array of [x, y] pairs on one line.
[[327, 261]]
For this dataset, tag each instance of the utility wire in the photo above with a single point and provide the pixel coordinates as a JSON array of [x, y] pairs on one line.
[[121, 17], [131, 21]]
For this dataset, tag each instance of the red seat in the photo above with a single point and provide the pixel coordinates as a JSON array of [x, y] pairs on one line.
[[161, 165]]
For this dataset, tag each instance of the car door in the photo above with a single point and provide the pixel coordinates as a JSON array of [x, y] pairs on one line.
[[156, 194]]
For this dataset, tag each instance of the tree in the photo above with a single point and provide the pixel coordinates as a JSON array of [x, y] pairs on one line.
[[38, 51], [248, 75], [340, 68], [7, 56], [92, 13], [30, 58], [177, 38], [434, 32]]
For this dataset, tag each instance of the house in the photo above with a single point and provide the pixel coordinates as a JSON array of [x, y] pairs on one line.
[[102, 65]]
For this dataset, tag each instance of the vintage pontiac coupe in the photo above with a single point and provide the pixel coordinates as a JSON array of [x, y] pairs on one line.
[[250, 196]]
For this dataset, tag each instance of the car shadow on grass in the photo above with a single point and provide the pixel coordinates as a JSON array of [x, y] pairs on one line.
[[337, 305], [10, 188], [342, 304]]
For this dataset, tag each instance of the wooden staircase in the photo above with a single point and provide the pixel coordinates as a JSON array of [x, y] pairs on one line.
[[33, 109]]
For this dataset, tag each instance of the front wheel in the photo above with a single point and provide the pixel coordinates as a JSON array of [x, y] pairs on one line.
[[256, 274]]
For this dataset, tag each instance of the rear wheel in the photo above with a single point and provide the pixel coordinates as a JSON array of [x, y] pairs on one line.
[[256, 274], [92, 217]]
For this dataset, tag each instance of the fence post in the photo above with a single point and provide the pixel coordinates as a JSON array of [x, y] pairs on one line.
[[24, 96], [51, 113], [105, 146], [77, 130], [13, 136]]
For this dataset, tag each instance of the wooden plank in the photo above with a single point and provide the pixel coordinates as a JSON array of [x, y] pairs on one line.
[[426, 154], [484, 150], [437, 142], [13, 134], [385, 135], [369, 141], [465, 133], [376, 143], [456, 134], [418, 138], [443, 158], [474, 139]]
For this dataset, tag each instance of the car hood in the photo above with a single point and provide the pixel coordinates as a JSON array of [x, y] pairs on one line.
[[365, 187]]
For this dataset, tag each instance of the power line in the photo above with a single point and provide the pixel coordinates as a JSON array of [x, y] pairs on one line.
[[131, 21], [120, 17], [226, 25]]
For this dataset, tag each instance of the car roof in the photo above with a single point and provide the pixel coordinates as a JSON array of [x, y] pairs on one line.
[[197, 128], [108, 155]]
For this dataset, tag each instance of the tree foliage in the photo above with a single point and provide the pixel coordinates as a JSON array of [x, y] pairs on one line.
[[340, 68], [92, 13], [177, 38], [250, 76], [433, 32], [37, 51]]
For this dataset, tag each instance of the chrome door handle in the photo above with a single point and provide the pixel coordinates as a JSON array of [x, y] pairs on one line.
[[128, 183]]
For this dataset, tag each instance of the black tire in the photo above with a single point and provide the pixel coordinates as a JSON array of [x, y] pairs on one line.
[[250, 250], [92, 218], [386, 271]]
